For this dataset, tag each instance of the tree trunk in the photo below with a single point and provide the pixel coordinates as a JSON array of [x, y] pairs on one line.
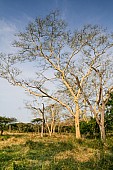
[[42, 130], [49, 129], [102, 132], [43, 126], [77, 126], [1, 132], [54, 129], [10, 128], [43, 121], [101, 126]]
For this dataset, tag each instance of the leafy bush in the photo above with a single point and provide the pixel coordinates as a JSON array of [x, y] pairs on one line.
[[89, 129]]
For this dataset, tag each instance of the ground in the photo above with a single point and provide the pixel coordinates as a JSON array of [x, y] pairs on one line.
[[28, 151]]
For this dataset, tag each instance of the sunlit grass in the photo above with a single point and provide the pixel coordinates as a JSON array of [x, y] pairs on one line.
[[59, 152]]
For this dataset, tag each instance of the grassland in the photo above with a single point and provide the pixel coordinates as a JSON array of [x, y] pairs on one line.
[[59, 152]]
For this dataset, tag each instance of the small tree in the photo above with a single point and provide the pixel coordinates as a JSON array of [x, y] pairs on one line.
[[37, 122], [53, 114], [38, 110], [4, 121]]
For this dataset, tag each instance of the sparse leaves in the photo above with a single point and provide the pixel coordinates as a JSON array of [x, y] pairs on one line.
[[80, 63]]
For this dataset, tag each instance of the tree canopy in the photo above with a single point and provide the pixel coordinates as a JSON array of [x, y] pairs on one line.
[[74, 68]]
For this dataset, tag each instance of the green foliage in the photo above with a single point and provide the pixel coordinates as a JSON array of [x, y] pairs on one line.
[[109, 114], [37, 120], [22, 127], [68, 129], [4, 121], [89, 129]]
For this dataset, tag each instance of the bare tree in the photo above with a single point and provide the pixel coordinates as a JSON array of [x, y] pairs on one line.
[[53, 115], [40, 111], [45, 41], [71, 58], [98, 83]]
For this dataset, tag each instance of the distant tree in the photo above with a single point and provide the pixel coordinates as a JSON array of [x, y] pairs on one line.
[[4, 121], [52, 113], [37, 120], [37, 110], [37, 124]]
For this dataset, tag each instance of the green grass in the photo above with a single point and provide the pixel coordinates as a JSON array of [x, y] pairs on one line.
[[56, 153]]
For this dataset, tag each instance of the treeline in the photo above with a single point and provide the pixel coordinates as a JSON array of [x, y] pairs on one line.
[[88, 126], [89, 129]]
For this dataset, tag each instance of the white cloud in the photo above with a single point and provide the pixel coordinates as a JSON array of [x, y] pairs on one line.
[[11, 98], [7, 32], [12, 102]]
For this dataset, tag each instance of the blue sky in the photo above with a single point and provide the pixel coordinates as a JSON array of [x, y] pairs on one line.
[[75, 11], [14, 16]]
